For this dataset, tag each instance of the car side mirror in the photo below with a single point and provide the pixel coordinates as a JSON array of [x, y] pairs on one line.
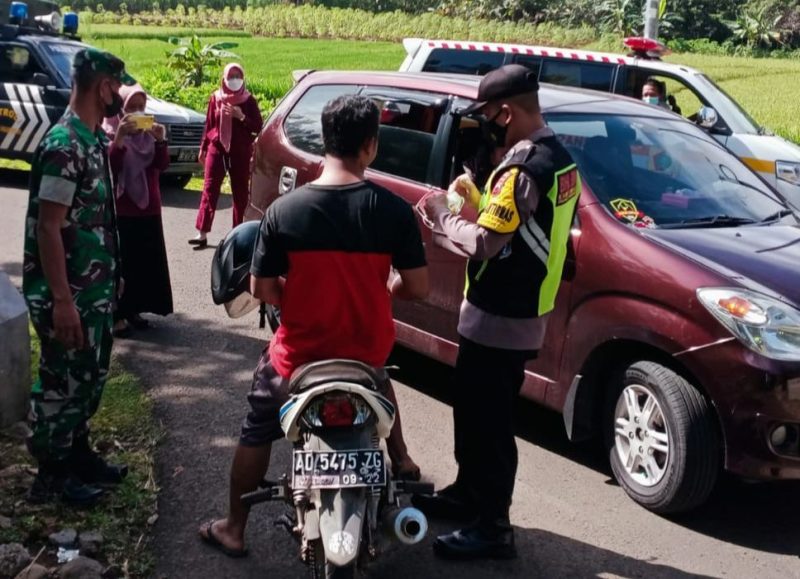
[[41, 79], [707, 117]]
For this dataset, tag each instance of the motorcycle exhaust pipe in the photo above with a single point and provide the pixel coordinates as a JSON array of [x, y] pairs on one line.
[[409, 525]]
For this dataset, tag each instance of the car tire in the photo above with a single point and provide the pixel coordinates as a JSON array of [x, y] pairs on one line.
[[661, 438], [176, 181]]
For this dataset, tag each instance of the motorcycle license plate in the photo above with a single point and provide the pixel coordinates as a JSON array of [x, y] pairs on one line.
[[335, 470]]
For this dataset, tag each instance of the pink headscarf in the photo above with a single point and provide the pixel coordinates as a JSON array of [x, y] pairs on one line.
[[224, 95], [140, 150]]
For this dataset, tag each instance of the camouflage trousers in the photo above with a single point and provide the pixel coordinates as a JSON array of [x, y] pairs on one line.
[[68, 391]]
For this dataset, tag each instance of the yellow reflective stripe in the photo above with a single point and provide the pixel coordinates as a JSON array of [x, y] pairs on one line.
[[759, 165]]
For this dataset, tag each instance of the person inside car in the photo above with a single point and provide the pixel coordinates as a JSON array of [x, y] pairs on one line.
[[516, 254], [324, 254], [654, 92]]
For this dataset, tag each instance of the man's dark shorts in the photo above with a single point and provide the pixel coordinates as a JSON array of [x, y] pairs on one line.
[[268, 393]]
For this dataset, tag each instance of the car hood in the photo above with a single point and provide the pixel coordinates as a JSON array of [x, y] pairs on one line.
[[171, 113], [763, 259]]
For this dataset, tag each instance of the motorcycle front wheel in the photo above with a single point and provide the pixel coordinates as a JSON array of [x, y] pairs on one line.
[[321, 569]]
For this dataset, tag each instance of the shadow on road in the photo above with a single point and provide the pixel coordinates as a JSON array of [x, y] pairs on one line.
[[183, 199], [13, 268], [758, 516], [761, 516], [546, 554]]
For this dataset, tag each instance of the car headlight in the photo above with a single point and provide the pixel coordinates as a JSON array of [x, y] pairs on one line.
[[763, 324], [789, 172]]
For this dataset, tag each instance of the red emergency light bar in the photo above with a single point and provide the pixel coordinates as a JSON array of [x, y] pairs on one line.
[[645, 47]]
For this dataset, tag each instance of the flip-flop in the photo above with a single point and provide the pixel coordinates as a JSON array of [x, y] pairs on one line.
[[210, 539]]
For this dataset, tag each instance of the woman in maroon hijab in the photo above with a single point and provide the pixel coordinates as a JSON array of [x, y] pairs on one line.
[[233, 121], [137, 158]]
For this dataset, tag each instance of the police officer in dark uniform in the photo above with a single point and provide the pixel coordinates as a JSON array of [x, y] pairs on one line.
[[516, 254]]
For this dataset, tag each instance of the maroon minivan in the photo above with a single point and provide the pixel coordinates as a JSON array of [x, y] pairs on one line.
[[676, 333]]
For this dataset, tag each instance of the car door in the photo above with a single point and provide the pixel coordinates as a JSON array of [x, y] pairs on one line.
[[410, 163], [29, 101]]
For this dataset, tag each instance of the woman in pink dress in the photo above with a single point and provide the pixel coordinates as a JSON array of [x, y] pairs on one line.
[[137, 158], [233, 121]]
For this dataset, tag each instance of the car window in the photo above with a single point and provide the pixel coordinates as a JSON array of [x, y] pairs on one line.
[[463, 61], [684, 99], [534, 63], [303, 125], [659, 173], [406, 137], [61, 54], [17, 64], [589, 75]]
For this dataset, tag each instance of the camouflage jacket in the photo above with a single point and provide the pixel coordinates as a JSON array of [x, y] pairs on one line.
[[70, 168]]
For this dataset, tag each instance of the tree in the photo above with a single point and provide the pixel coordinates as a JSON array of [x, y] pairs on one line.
[[757, 27], [192, 59]]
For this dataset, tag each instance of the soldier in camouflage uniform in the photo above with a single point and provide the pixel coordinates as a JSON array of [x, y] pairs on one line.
[[70, 282]]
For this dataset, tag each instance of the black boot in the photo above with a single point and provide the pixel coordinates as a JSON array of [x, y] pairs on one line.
[[91, 468], [451, 503], [55, 482], [481, 541]]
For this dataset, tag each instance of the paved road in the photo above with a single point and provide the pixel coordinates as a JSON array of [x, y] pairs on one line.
[[571, 519]]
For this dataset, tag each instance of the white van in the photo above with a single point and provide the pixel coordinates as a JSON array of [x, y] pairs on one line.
[[700, 99]]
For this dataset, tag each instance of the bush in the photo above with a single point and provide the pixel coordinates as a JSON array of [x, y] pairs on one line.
[[162, 83]]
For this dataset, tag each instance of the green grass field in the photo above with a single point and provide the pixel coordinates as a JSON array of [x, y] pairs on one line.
[[269, 59], [764, 87]]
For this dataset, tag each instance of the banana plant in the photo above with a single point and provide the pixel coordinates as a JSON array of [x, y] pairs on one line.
[[193, 59], [757, 28]]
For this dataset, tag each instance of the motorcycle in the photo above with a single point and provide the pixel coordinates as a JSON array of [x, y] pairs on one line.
[[345, 504]]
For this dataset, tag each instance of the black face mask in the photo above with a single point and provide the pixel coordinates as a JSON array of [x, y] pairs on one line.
[[494, 134], [115, 107]]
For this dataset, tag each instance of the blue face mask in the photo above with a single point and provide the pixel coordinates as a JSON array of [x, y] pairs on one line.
[[651, 100]]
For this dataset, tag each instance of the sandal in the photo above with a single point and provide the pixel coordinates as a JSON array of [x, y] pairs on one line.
[[210, 539]]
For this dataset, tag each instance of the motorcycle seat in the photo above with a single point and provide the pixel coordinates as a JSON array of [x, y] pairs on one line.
[[325, 371]]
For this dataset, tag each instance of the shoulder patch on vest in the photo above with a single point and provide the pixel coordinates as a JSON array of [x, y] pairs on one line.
[[500, 214], [568, 186]]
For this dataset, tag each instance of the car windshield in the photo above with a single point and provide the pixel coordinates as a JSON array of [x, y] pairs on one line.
[[61, 54], [660, 173]]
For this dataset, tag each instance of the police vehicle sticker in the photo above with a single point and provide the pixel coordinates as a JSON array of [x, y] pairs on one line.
[[30, 120]]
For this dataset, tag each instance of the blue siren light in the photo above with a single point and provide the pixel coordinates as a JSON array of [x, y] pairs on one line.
[[18, 13], [70, 23]]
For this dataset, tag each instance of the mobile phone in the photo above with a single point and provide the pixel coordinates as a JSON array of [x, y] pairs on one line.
[[143, 122]]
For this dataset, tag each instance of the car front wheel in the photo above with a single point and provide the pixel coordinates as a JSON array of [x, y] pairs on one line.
[[661, 438]]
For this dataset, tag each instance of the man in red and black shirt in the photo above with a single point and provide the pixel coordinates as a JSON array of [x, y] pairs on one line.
[[324, 254]]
